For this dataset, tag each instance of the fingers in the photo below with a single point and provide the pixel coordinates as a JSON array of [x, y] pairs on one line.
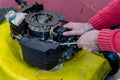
[[69, 25], [76, 28], [70, 33]]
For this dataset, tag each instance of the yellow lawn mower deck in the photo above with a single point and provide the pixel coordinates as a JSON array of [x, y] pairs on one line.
[[83, 66]]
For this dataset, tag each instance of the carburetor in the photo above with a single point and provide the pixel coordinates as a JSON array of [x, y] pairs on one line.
[[39, 33]]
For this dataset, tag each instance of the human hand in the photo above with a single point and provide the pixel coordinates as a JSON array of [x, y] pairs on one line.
[[89, 41], [76, 28]]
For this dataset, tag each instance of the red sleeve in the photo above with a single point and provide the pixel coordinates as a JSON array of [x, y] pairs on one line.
[[109, 40], [108, 17]]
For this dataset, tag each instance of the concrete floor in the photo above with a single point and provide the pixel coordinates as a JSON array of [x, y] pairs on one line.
[[115, 77]]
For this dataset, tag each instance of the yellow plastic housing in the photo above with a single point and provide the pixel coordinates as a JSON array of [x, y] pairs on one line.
[[83, 66]]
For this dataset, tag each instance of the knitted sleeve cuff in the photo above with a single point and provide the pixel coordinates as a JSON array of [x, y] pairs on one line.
[[104, 39]]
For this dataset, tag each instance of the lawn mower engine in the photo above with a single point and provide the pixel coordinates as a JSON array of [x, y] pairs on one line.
[[40, 36], [39, 33]]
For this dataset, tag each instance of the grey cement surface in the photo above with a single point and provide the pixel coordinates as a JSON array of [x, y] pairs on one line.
[[115, 77]]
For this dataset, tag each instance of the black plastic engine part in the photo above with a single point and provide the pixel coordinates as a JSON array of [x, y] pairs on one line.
[[57, 35], [21, 2], [36, 35], [32, 8], [41, 54]]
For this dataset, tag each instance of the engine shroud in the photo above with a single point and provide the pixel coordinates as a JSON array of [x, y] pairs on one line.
[[41, 39]]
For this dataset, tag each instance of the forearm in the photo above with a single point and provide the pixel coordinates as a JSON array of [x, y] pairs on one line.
[[108, 17], [109, 40]]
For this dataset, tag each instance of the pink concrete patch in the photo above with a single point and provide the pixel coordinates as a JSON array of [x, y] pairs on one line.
[[73, 10]]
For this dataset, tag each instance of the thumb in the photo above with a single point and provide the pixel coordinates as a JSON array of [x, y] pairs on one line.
[[79, 44]]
